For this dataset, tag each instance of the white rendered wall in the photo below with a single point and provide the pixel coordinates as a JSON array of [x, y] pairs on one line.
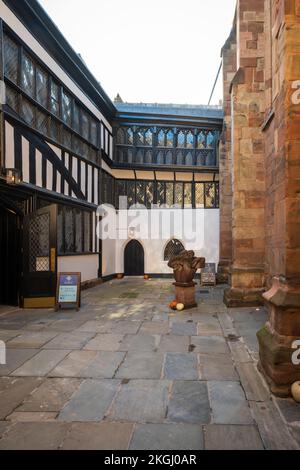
[[108, 257], [87, 265], [206, 244]]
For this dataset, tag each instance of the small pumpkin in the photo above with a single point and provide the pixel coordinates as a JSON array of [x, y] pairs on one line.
[[173, 304], [295, 390], [180, 307], [146, 276]]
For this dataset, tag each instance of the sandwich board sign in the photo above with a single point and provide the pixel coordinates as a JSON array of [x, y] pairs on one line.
[[208, 275], [68, 290]]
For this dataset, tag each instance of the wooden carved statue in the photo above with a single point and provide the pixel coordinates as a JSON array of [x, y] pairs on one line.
[[185, 265]]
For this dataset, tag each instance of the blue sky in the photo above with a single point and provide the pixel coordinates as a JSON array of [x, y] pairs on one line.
[[165, 51]]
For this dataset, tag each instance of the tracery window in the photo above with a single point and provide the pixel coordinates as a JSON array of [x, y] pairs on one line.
[[180, 139], [161, 138], [148, 137], [27, 75], [120, 136], [129, 136], [170, 139], [189, 140], [201, 140]]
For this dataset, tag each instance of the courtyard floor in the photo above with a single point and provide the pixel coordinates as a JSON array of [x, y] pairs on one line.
[[125, 372]]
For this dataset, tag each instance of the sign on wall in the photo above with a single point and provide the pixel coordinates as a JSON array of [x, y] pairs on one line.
[[208, 275], [68, 290]]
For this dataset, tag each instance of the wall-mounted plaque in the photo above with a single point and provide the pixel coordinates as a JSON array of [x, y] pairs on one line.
[[68, 290]]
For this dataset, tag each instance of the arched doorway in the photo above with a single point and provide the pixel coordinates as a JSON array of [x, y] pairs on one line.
[[134, 259]]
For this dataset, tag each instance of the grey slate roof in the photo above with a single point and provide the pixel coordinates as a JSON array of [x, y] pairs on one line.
[[202, 111]]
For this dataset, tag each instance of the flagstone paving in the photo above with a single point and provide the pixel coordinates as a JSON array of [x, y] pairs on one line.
[[126, 372]]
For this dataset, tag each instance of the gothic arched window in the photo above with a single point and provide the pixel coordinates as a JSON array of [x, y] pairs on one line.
[[210, 140], [148, 157], [189, 140], [173, 247], [120, 136], [140, 137], [129, 136], [201, 140], [170, 139], [179, 158], [169, 158], [161, 138], [180, 139], [160, 158], [189, 159], [139, 157], [148, 137]]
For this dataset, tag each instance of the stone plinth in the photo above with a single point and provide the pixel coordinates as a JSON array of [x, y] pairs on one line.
[[185, 294], [246, 287], [276, 338]]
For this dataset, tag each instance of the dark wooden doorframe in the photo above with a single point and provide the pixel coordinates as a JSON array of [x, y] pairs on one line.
[[134, 259], [40, 257]]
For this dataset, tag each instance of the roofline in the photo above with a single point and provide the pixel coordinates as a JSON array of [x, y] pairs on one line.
[[42, 27]]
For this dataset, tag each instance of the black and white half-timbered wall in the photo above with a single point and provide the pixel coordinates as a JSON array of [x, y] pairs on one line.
[[66, 148]]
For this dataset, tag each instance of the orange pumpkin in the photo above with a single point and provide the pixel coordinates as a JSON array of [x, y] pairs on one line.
[[173, 304]]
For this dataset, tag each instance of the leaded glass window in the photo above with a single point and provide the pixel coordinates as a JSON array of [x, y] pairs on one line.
[[84, 125], [188, 195], [210, 196], [149, 193], [131, 193], [189, 159], [139, 137], [87, 231], [210, 140], [169, 193], [66, 108], [28, 112], [148, 157], [11, 59], [170, 139], [42, 87], [120, 136], [201, 140], [129, 136], [199, 195], [78, 231], [160, 158], [140, 192], [200, 158], [139, 156], [41, 121], [160, 192], [54, 129], [180, 139], [173, 248], [120, 156], [27, 75], [169, 158], [129, 156], [66, 138], [178, 194], [54, 98], [161, 139], [76, 118], [189, 140], [12, 98], [179, 158], [69, 230], [77, 145], [148, 137]]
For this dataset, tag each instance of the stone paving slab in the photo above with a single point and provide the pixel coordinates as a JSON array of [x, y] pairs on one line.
[[252, 382], [228, 402], [181, 366], [140, 342], [154, 328], [41, 364], [97, 326], [239, 351], [209, 344], [16, 389], [141, 365], [73, 364], [66, 325], [70, 340], [34, 436], [232, 437], [174, 343], [217, 367], [141, 401], [103, 365], [90, 401], [30, 339], [31, 416], [125, 327], [186, 329], [15, 358], [189, 402], [6, 335], [104, 342], [167, 437], [51, 395], [98, 436]]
